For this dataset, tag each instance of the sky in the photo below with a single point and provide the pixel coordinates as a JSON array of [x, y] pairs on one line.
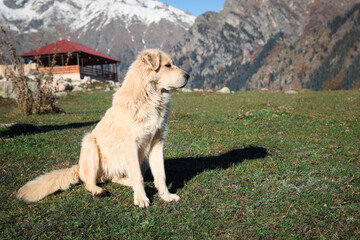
[[196, 7]]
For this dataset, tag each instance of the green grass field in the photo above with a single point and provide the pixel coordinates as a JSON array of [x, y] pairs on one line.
[[247, 166]]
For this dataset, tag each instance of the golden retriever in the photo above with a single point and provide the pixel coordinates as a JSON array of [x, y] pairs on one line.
[[129, 138]]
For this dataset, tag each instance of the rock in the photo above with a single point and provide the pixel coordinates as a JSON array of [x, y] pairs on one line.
[[86, 80], [224, 90], [110, 83], [32, 77], [77, 89], [291, 92], [62, 86], [32, 86], [117, 87], [76, 83], [60, 94], [69, 88], [107, 89], [186, 90], [6, 90]]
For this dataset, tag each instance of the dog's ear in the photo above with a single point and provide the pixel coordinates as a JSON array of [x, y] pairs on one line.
[[151, 58]]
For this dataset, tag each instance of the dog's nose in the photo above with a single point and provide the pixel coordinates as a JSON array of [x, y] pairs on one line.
[[187, 76]]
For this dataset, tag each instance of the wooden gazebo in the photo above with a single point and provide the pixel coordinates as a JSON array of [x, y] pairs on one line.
[[74, 58]]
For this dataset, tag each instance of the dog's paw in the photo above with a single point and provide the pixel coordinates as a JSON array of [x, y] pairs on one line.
[[170, 197], [142, 202], [95, 190], [104, 193]]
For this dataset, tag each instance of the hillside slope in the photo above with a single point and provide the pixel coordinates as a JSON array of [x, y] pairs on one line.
[[249, 44], [324, 57]]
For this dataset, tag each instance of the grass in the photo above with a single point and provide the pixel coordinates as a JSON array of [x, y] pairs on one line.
[[247, 166]]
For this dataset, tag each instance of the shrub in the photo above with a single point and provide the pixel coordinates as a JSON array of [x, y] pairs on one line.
[[39, 101]]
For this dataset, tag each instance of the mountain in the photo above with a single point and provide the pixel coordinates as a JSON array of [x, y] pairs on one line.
[[325, 57], [118, 28], [274, 44]]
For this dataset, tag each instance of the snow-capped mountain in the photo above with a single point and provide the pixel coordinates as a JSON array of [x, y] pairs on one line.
[[81, 14], [119, 28]]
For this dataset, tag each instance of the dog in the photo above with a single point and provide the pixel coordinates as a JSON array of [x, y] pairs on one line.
[[128, 139]]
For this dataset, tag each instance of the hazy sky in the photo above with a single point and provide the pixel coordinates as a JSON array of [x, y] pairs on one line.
[[196, 7]]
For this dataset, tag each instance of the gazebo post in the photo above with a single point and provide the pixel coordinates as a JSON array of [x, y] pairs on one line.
[[81, 67], [116, 70], [114, 67], [110, 70], [102, 69]]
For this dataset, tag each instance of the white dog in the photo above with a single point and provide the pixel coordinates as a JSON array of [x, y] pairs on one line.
[[128, 139]]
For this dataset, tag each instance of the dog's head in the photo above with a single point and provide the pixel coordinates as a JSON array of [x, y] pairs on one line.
[[163, 73]]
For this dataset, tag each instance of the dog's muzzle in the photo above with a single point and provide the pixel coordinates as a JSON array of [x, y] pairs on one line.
[[186, 76]]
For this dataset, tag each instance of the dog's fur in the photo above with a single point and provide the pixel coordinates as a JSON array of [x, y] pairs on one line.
[[128, 139]]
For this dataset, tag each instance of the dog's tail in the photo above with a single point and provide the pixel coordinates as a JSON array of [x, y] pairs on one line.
[[49, 183]]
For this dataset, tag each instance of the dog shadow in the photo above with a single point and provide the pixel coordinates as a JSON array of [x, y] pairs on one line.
[[181, 170], [27, 129]]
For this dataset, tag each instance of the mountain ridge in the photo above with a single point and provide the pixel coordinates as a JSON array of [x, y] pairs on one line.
[[238, 46], [118, 28]]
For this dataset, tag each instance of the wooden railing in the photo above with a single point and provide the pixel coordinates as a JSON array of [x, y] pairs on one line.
[[84, 71], [95, 72], [61, 69]]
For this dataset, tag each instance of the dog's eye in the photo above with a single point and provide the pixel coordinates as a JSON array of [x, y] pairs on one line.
[[168, 65]]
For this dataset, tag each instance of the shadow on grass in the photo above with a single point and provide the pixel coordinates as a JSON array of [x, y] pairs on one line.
[[181, 170], [27, 129]]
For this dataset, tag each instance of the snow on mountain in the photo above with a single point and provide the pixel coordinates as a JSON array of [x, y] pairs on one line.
[[81, 13]]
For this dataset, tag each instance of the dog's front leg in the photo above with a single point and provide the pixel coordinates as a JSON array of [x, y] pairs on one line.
[[136, 178], [156, 161]]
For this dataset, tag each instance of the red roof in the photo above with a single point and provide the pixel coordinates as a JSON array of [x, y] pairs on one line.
[[64, 46]]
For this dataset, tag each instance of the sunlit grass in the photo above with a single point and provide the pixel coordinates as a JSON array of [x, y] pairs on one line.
[[246, 165]]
